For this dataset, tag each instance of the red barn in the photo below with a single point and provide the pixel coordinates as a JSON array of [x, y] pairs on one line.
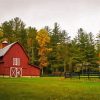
[[14, 61]]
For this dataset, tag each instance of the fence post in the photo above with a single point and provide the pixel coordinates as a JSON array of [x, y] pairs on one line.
[[70, 74], [99, 75]]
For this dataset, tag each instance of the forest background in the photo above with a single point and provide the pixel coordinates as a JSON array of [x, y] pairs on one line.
[[57, 52]]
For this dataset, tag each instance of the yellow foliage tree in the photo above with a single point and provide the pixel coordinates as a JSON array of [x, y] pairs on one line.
[[2, 38], [43, 40]]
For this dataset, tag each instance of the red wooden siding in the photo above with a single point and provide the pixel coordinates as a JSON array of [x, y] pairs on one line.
[[17, 51]]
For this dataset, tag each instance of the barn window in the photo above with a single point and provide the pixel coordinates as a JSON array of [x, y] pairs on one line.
[[16, 61]]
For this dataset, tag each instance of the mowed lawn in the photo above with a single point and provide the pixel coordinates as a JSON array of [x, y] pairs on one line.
[[49, 88]]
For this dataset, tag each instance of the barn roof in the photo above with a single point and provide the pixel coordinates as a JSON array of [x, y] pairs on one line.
[[5, 49]]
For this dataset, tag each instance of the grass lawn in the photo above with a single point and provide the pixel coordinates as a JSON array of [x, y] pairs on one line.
[[49, 88]]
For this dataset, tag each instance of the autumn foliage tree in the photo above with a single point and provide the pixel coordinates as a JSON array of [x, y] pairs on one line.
[[43, 41]]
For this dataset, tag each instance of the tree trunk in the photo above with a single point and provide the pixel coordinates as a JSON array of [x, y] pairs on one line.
[[32, 55], [82, 68], [64, 67], [42, 71], [70, 65]]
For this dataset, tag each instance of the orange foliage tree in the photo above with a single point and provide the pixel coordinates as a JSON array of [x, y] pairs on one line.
[[43, 39]]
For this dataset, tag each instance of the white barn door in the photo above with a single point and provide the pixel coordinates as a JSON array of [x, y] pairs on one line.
[[15, 72]]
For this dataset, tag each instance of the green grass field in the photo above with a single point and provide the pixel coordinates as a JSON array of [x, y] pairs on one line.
[[49, 88]]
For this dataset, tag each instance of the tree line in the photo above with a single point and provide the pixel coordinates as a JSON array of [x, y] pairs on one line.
[[53, 49]]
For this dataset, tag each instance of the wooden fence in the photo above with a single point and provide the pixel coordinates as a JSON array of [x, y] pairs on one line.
[[82, 75]]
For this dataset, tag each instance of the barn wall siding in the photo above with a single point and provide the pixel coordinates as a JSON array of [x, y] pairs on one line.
[[1, 69]]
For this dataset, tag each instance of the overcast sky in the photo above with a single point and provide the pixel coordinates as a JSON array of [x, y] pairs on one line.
[[70, 14]]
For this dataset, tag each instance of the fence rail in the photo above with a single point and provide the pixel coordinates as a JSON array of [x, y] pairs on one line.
[[82, 75]]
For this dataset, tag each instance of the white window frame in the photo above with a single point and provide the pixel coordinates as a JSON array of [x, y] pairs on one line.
[[16, 61]]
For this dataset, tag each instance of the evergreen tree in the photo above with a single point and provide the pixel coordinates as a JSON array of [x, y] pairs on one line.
[[86, 45]]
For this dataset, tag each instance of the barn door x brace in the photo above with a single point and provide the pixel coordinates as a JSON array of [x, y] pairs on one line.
[[15, 72]]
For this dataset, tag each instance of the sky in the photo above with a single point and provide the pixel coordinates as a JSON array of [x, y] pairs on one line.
[[70, 14]]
